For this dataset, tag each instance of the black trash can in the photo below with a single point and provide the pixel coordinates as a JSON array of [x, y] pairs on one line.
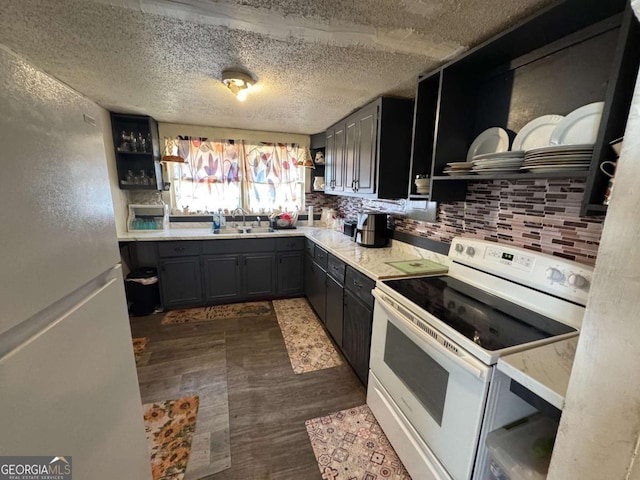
[[143, 295]]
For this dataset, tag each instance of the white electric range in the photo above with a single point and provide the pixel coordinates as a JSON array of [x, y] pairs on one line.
[[436, 340]]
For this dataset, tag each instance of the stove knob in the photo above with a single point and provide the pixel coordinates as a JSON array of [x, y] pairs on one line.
[[459, 247], [471, 251], [577, 281], [555, 275]]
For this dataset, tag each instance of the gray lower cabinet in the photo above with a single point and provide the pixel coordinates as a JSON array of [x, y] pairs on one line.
[[334, 310], [258, 272], [315, 286], [290, 273], [232, 277], [222, 280], [180, 281], [356, 334]]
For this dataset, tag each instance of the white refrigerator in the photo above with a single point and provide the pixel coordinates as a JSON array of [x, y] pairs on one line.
[[68, 384]]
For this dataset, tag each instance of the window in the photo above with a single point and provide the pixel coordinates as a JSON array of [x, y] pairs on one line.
[[226, 174]]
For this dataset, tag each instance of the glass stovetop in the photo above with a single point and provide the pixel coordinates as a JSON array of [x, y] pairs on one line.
[[488, 320]]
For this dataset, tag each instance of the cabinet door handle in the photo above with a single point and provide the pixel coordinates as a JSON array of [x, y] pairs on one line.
[[237, 264], [356, 284]]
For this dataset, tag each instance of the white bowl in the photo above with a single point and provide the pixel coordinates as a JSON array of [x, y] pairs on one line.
[[422, 182]]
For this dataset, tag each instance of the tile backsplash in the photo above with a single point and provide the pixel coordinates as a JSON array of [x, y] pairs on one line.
[[537, 214]]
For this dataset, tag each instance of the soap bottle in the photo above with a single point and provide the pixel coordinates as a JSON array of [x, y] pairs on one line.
[[223, 220], [216, 222]]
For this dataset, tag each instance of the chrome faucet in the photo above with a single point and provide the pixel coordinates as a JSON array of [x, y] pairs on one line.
[[233, 214]]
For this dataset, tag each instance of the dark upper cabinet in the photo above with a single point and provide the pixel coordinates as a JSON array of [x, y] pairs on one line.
[[371, 150], [364, 169], [350, 153], [137, 150], [360, 150], [334, 159], [565, 56]]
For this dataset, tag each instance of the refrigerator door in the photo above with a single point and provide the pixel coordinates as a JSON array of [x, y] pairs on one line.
[[58, 228], [72, 390]]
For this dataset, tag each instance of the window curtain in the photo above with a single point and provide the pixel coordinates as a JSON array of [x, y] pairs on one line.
[[210, 177], [259, 176], [273, 177]]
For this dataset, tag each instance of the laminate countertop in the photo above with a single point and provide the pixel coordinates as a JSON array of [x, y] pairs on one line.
[[544, 370], [370, 261]]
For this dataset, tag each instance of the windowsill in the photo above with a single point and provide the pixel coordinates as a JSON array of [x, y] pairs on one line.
[[198, 218]]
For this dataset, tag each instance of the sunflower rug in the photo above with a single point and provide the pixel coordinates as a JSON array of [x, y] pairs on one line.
[[139, 346], [219, 312], [351, 445], [170, 426]]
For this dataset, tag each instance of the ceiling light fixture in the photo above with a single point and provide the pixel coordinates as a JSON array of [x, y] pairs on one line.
[[238, 82]]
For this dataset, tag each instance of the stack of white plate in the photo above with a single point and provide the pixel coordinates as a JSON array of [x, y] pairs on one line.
[[458, 168], [422, 185], [558, 158], [498, 162]]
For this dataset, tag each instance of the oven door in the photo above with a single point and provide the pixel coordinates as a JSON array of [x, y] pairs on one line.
[[441, 393]]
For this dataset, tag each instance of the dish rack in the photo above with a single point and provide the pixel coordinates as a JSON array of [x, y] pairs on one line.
[[284, 221], [147, 217]]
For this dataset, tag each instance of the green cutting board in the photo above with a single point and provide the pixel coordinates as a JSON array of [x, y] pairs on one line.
[[419, 266]]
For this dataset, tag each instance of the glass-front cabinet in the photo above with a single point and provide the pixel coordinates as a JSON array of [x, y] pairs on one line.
[[137, 151]]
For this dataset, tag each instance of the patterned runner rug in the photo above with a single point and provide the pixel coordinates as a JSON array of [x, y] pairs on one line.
[[218, 312], [139, 346], [351, 445], [170, 426], [307, 344]]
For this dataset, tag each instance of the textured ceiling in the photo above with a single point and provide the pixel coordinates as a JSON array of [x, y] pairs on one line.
[[316, 61]]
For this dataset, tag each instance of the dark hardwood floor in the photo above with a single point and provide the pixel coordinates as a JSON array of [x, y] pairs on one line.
[[268, 404]]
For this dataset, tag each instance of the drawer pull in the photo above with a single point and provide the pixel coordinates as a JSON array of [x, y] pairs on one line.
[[179, 249]]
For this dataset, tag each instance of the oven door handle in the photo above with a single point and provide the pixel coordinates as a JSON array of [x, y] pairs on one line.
[[466, 362]]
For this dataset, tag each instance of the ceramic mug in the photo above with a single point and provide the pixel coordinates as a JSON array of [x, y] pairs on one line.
[[610, 163], [607, 193]]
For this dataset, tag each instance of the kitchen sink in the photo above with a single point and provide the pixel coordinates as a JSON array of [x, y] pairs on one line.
[[244, 230]]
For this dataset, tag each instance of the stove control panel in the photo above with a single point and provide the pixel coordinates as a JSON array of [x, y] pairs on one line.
[[555, 275]]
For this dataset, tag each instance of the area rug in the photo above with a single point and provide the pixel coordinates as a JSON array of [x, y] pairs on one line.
[[170, 426], [139, 346], [307, 344], [218, 312], [351, 445]]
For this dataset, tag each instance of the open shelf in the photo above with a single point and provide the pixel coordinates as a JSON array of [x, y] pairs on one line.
[[512, 176], [566, 56]]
